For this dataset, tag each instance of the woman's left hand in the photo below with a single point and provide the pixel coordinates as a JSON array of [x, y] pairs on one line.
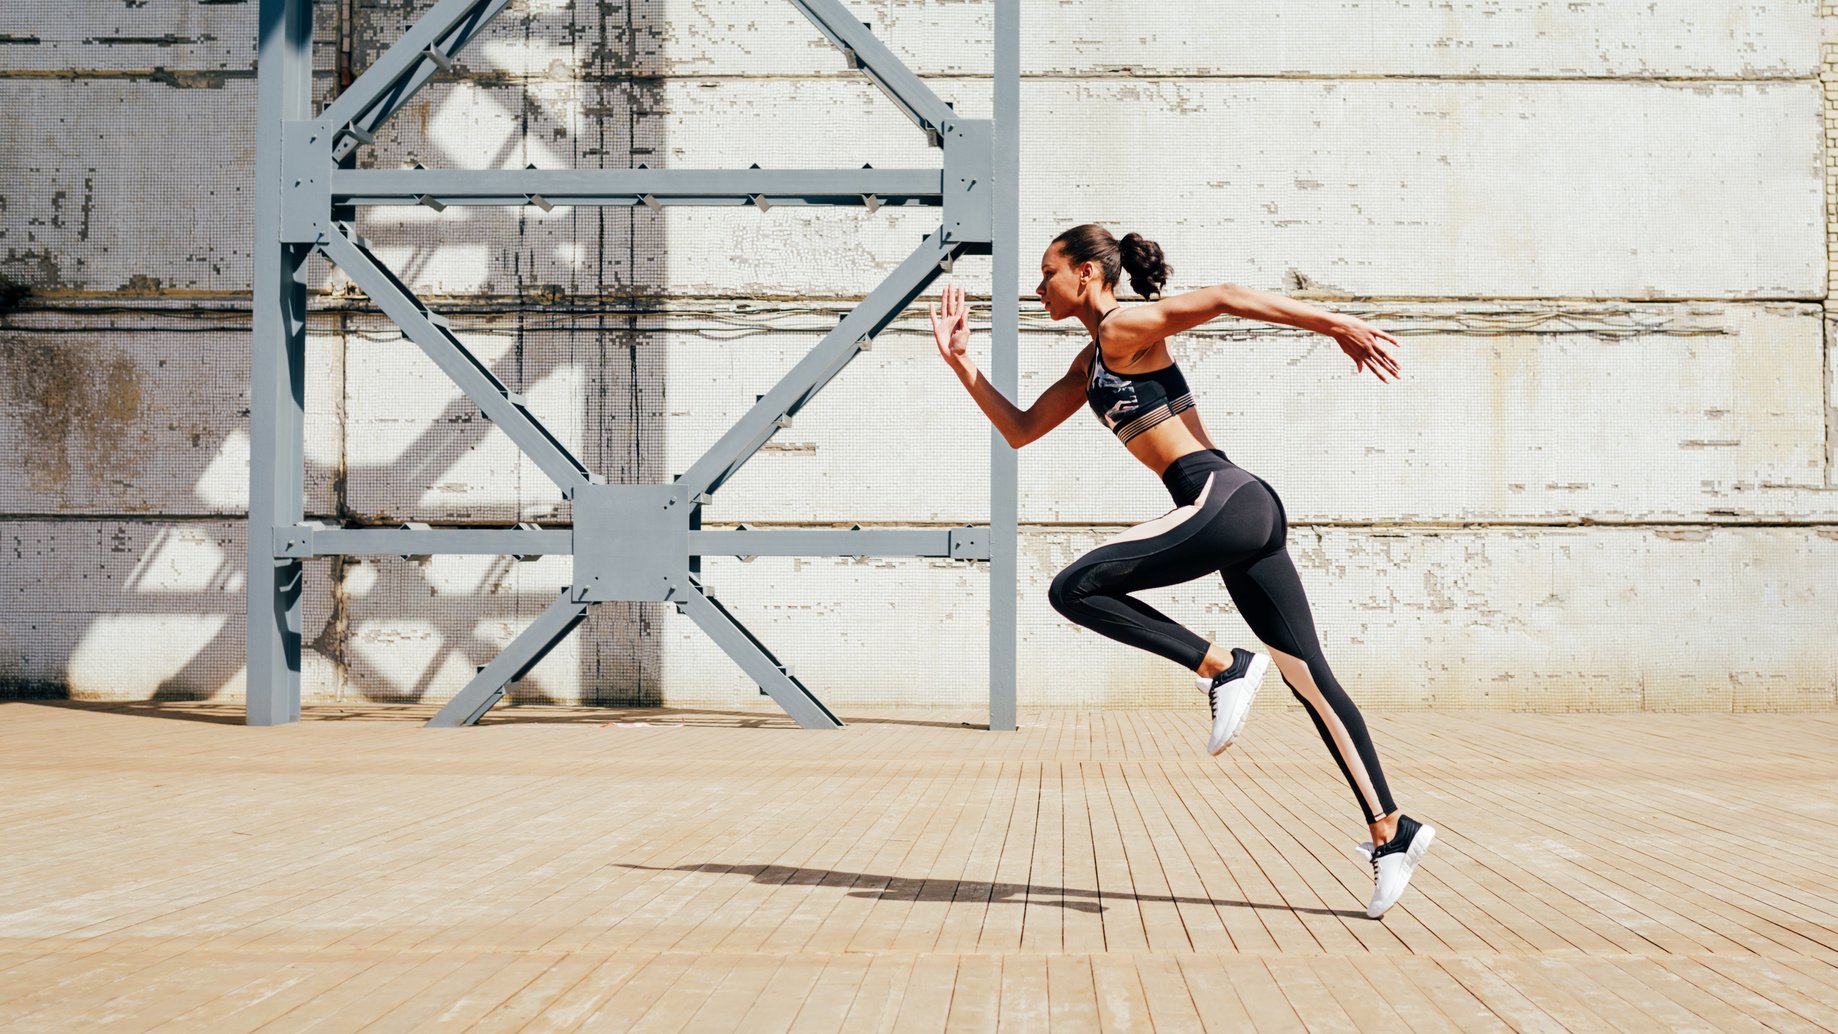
[[1366, 344]]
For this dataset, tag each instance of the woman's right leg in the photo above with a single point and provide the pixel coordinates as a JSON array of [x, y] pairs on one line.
[[1269, 595]]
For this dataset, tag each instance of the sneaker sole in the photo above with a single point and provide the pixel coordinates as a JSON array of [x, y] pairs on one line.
[[1254, 680], [1413, 856]]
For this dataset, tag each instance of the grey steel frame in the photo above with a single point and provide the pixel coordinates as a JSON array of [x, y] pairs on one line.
[[629, 542]]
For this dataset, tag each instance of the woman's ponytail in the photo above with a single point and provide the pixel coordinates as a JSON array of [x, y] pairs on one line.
[[1143, 261]]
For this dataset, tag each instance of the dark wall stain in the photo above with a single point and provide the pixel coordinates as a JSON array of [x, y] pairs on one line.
[[12, 295], [80, 416], [34, 268]]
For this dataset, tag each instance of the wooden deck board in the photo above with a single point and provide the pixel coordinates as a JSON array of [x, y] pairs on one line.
[[561, 869], [838, 985]]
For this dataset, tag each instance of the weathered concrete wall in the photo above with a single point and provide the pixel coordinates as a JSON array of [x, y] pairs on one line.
[[1604, 233], [1473, 189]]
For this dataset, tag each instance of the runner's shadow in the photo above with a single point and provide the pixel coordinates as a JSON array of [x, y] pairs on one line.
[[896, 888]]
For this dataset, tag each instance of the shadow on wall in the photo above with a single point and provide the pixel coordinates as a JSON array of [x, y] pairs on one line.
[[139, 410]]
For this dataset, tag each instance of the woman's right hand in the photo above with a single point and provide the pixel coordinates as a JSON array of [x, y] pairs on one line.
[[951, 328]]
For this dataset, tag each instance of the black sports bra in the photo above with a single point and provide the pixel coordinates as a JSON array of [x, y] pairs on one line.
[[1131, 403]]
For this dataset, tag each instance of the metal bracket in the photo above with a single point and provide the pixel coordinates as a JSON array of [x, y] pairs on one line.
[[969, 146], [295, 542], [417, 529], [971, 543], [306, 182]]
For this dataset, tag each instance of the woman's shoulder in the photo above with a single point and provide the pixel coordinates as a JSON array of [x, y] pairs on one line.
[[1154, 350]]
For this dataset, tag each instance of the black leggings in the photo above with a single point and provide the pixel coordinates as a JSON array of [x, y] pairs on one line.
[[1228, 520]]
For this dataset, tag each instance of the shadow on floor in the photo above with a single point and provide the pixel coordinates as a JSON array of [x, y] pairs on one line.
[[184, 712], [894, 888]]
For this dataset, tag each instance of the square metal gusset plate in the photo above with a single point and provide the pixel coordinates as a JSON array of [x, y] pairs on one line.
[[631, 542]]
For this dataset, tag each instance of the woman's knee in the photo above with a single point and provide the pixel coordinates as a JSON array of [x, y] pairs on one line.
[[1295, 670], [1305, 669], [1064, 593], [1075, 585]]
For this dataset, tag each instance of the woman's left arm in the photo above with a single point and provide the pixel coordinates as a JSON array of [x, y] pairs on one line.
[[1150, 323], [1360, 340]]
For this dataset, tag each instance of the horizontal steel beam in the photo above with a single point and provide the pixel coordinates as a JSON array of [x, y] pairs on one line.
[[308, 541], [654, 187], [311, 540], [957, 543]]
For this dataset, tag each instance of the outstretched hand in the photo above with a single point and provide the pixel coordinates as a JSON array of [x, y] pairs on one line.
[[1366, 344], [951, 326]]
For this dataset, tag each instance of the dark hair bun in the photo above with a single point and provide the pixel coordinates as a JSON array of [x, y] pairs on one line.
[[1142, 259]]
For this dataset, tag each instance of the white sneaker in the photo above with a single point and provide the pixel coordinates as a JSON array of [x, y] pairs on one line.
[[1391, 870], [1229, 694]]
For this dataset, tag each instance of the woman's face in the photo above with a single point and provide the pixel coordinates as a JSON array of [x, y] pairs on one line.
[[1059, 288]]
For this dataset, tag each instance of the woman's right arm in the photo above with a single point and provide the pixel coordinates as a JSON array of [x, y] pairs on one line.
[[951, 330], [1061, 399]]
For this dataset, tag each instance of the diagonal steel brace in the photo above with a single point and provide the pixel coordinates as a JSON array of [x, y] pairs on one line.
[[862, 50], [426, 49], [530, 646], [882, 306], [758, 662], [498, 403]]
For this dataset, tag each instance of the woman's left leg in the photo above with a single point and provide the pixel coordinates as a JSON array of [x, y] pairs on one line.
[[1188, 542]]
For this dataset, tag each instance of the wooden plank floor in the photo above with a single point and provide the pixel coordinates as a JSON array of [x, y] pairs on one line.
[[169, 869]]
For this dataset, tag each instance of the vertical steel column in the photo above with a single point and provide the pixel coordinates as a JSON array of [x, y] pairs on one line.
[[1004, 337], [277, 359]]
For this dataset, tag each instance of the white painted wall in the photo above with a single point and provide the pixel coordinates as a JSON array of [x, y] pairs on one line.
[[1601, 230]]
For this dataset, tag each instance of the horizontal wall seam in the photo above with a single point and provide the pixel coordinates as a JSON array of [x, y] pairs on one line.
[[206, 78]]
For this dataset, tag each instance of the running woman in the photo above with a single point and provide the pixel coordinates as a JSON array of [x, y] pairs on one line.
[[1225, 519]]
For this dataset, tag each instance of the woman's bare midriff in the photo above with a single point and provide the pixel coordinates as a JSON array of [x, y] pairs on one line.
[[1169, 441]]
